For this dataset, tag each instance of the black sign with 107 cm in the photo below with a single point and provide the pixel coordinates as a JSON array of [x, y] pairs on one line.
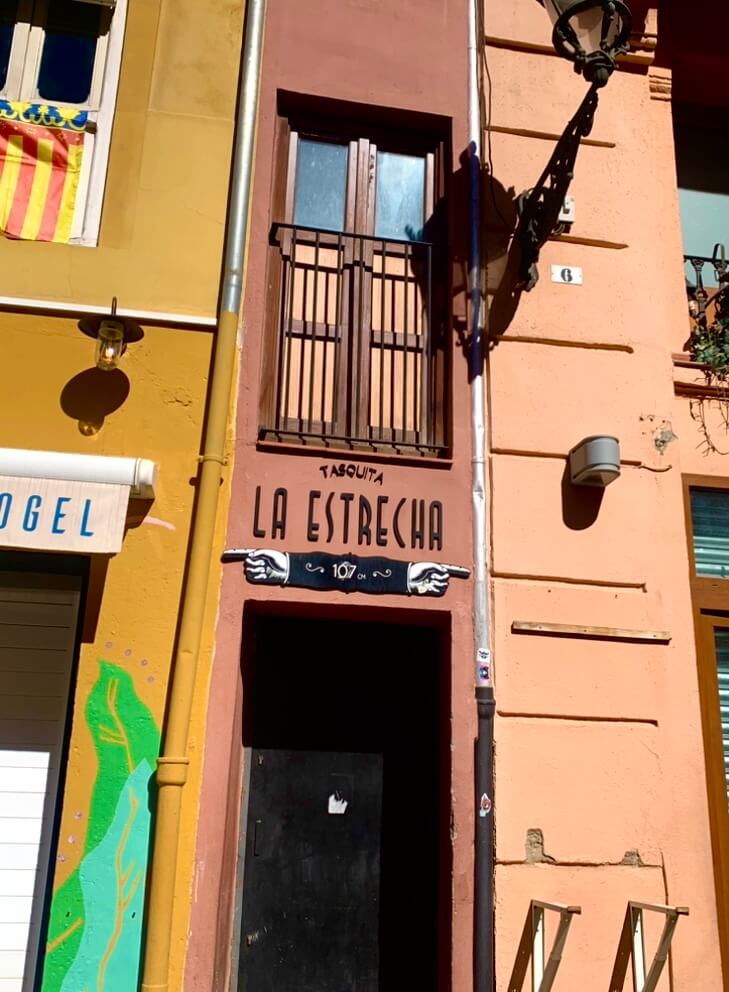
[[345, 573]]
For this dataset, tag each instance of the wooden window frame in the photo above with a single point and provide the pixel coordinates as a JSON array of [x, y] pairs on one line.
[[22, 85], [710, 607], [364, 140], [27, 48]]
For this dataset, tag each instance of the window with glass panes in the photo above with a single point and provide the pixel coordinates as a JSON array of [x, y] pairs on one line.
[[701, 140], [708, 519], [358, 237], [61, 53], [53, 51]]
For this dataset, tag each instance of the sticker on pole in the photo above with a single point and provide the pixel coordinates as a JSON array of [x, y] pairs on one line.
[[485, 806], [337, 804], [567, 275], [483, 667]]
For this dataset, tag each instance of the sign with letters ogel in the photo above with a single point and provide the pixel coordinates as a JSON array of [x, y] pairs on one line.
[[50, 515]]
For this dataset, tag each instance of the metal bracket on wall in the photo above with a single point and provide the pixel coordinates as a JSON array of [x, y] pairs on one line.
[[532, 946], [539, 208], [632, 946]]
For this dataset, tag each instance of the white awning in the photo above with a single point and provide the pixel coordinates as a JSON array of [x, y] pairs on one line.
[[140, 474], [54, 501]]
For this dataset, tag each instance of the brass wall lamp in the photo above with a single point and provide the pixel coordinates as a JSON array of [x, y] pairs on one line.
[[113, 333], [590, 34]]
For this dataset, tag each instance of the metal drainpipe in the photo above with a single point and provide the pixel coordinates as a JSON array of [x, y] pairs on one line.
[[172, 764], [483, 956]]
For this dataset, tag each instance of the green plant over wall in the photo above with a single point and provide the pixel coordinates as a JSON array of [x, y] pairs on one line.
[[95, 926], [708, 344], [709, 340]]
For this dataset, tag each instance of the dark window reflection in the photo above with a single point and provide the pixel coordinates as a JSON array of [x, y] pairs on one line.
[[321, 185], [399, 196], [710, 525], [69, 50], [8, 16]]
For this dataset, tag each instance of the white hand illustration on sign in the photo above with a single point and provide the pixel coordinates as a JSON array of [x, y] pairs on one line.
[[430, 578], [269, 567]]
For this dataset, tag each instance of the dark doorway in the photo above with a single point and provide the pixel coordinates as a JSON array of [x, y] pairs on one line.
[[345, 851]]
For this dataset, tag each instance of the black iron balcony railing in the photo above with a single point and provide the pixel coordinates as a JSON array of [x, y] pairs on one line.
[[705, 277], [707, 288], [354, 343]]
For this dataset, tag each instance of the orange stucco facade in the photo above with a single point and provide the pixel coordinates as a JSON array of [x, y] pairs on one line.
[[601, 786]]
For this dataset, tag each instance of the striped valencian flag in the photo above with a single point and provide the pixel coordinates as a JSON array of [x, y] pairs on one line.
[[40, 163]]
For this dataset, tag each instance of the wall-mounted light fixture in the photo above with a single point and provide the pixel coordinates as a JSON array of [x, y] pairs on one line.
[[113, 334], [595, 461], [590, 34]]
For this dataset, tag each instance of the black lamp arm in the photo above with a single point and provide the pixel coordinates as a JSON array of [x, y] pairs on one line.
[[539, 208]]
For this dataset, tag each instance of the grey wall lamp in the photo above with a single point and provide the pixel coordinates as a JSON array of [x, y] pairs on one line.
[[595, 461], [590, 34]]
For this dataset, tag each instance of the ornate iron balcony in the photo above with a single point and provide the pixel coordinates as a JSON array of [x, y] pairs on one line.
[[355, 355]]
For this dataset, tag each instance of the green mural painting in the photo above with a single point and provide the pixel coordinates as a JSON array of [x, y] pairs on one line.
[[95, 925]]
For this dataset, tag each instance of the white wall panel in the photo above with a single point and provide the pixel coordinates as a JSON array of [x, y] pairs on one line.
[[38, 619]]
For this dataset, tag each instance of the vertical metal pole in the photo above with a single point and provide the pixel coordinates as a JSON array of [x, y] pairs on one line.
[[174, 760], [484, 854], [484, 792]]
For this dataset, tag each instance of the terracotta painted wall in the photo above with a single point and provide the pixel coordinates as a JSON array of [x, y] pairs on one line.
[[601, 793], [406, 57]]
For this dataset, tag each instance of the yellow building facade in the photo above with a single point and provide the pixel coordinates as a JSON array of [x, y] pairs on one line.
[[148, 229]]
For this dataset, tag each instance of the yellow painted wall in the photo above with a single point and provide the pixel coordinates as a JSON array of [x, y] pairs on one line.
[[160, 248], [164, 207], [49, 397]]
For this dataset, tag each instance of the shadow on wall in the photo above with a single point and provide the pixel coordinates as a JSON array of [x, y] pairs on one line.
[[92, 395], [501, 258], [580, 504], [500, 254]]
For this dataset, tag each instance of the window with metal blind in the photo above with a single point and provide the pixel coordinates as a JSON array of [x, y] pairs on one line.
[[707, 518], [721, 647], [38, 621], [710, 530]]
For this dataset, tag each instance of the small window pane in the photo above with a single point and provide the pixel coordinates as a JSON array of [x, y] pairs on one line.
[[710, 524], [321, 185], [399, 196], [69, 51], [8, 17], [703, 187], [721, 643]]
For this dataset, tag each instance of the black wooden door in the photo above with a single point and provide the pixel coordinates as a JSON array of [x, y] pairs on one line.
[[342, 854], [312, 873]]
